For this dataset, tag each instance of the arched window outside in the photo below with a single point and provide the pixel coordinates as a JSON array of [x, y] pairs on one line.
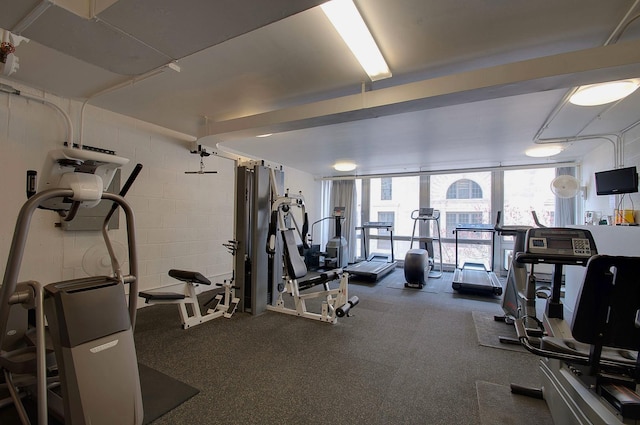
[[464, 189]]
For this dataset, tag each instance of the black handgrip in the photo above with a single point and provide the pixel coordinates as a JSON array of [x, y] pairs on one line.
[[131, 179], [271, 237], [125, 189], [31, 182], [305, 230]]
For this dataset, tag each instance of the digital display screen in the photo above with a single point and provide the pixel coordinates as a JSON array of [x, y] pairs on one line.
[[559, 244], [620, 180]]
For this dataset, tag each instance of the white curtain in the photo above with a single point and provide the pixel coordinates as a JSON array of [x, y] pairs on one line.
[[565, 213], [343, 194]]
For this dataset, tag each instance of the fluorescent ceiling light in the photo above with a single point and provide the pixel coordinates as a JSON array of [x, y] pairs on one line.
[[349, 23], [544, 151], [344, 166], [599, 94]]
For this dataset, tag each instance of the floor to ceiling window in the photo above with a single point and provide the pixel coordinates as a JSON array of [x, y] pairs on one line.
[[526, 191], [391, 199], [461, 198]]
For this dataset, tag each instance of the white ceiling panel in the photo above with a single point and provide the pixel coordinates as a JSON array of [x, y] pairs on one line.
[[473, 81], [180, 28]]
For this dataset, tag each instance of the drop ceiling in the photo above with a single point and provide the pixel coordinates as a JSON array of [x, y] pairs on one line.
[[474, 82]]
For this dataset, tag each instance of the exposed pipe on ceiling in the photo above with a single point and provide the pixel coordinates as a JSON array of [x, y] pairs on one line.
[[612, 39], [128, 82], [31, 17], [448, 171], [617, 143], [4, 88]]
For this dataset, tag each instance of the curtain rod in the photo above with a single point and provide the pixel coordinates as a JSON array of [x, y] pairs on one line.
[[451, 171]]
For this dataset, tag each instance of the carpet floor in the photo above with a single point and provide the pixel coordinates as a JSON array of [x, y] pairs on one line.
[[406, 356]]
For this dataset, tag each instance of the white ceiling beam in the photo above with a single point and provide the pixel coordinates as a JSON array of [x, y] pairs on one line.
[[608, 63]]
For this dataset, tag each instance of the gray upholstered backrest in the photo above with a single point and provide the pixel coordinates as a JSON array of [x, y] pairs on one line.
[[294, 262]]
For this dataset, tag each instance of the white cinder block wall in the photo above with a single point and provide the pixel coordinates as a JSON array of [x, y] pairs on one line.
[[182, 220], [602, 159]]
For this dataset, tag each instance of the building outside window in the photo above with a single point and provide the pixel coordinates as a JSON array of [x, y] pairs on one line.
[[402, 200], [463, 198], [464, 189], [386, 187], [526, 191], [387, 217], [455, 218]]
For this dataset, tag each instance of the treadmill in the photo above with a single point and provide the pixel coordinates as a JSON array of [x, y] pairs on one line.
[[375, 266], [474, 277]]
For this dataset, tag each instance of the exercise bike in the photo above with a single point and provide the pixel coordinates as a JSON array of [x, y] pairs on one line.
[[590, 371]]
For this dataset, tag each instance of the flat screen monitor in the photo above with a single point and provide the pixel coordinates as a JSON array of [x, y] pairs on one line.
[[613, 182]]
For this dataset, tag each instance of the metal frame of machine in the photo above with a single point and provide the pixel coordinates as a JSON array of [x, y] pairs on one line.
[[95, 358], [589, 370], [334, 302]]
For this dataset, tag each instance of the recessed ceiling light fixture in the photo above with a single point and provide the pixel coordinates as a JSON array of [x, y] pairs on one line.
[[344, 166], [544, 151], [346, 19], [600, 94]]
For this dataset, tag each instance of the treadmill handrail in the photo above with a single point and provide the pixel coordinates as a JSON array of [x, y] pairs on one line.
[[471, 227], [376, 225]]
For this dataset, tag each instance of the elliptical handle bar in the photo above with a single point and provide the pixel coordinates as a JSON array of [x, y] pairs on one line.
[[124, 190]]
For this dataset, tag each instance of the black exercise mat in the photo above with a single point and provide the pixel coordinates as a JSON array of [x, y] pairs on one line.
[[161, 393], [498, 406], [433, 286], [489, 332]]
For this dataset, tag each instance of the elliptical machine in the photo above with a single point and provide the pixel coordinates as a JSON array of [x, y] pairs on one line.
[[518, 299], [90, 323], [335, 254], [419, 262]]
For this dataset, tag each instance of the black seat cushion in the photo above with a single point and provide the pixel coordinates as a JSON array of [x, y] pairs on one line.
[[189, 276]]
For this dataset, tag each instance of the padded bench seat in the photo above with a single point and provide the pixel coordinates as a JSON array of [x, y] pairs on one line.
[[189, 276], [195, 278], [320, 279], [156, 296]]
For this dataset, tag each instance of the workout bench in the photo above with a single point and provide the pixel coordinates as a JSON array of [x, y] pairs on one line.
[[225, 303]]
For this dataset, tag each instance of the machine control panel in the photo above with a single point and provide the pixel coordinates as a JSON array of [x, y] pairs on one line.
[[560, 241], [425, 213]]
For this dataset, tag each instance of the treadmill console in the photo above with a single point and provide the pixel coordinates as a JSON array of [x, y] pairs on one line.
[[425, 214], [562, 242]]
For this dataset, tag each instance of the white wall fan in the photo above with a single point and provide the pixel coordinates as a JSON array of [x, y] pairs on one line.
[[97, 262], [565, 186]]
